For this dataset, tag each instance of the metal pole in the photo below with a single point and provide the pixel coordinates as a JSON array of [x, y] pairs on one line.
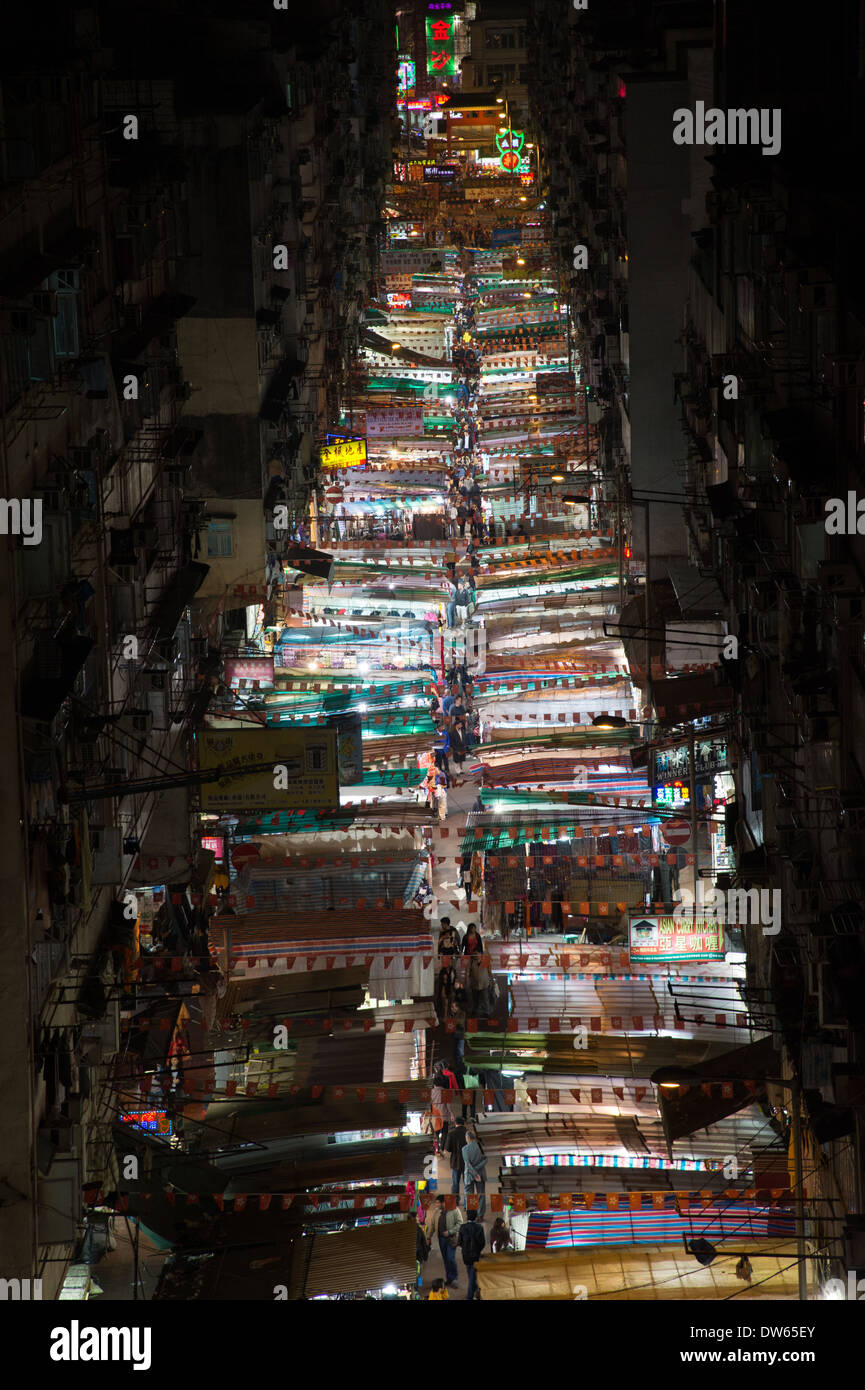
[[692, 792], [801, 1257], [620, 532], [648, 608]]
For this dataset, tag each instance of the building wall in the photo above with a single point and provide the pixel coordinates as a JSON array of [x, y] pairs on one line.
[[245, 564], [658, 234]]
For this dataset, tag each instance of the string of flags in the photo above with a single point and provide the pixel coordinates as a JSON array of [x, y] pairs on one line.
[[496, 1201], [532, 1023], [448, 545], [626, 1091]]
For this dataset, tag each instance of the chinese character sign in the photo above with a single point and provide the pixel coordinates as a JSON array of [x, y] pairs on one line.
[[662, 939], [347, 455], [440, 51], [510, 144], [389, 424]]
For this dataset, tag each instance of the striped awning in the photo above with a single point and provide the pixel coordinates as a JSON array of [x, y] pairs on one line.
[[656, 1224]]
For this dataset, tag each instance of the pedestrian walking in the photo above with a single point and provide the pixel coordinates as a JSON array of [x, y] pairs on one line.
[[475, 1166], [447, 1228], [441, 748], [471, 1242], [438, 1291], [459, 745], [453, 594], [456, 1142]]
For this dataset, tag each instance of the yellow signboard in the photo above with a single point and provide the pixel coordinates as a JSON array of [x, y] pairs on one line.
[[347, 455], [269, 769]]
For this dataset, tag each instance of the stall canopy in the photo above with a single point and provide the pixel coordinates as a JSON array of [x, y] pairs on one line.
[[629, 1273]]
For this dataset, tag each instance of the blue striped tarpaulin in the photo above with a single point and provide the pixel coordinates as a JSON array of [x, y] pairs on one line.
[[556, 1230]]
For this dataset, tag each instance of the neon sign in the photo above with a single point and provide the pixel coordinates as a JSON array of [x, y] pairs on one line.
[[155, 1121], [510, 145], [441, 55]]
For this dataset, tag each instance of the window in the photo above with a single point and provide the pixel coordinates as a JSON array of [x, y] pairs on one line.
[[63, 285], [501, 38], [219, 540]]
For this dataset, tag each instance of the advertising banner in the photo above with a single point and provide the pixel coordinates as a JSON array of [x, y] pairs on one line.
[[662, 939], [253, 668], [407, 262], [398, 421], [305, 759]]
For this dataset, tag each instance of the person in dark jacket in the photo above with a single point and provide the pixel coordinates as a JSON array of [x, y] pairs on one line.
[[500, 1236], [472, 942], [456, 1142], [471, 1242], [459, 747], [441, 748]]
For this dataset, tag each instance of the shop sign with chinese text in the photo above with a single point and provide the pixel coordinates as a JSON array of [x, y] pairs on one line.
[[350, 454], [661, 939]]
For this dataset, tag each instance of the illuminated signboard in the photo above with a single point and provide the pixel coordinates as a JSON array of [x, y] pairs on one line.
[[406, 75], [510, 144], [349, 454], [434, 173], [268, 769], [661, 939], [155, 1121], [441, 54]]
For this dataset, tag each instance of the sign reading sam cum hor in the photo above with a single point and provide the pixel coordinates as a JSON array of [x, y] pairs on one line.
[[675, 938], [308, 756]]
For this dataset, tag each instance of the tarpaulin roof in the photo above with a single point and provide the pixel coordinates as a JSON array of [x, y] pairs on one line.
[[354, 1261], [630, 1273], [264, 933]]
